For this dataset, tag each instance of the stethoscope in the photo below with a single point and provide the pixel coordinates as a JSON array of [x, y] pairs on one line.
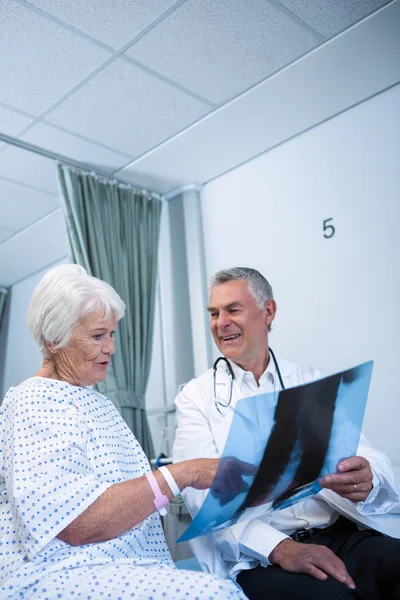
[[231, 377]]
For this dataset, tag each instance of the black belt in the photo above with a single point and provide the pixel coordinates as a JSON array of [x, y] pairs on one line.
[[342, 524], [302, 534]]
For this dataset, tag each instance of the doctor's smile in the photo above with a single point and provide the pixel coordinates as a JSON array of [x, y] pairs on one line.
[[230, 338]]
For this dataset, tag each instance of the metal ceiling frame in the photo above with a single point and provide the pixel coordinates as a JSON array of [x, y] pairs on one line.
[[12, 141]]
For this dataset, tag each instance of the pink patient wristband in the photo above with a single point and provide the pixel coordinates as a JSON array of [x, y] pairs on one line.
[[160, 500]]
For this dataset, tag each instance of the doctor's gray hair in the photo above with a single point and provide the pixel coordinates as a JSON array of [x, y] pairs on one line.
[[259, 287], [62, 297]]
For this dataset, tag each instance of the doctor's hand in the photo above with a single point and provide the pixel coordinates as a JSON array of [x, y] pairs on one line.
[[311, 559], [354, 480]]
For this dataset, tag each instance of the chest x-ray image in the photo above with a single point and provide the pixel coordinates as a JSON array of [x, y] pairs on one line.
[[281, 444]]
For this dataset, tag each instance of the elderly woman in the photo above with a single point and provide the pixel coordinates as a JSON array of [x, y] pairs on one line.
[[78, 502]]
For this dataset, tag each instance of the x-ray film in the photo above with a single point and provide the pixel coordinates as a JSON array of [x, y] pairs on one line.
[[281, 444]]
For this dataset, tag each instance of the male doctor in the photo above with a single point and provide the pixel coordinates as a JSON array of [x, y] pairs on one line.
[[307, 550]]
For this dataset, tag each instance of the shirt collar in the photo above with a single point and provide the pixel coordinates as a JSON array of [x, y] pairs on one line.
[[240, 374]]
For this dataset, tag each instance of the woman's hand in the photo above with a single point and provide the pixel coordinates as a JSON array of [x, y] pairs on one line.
[[198, 473], [224, 475], [229, 481]]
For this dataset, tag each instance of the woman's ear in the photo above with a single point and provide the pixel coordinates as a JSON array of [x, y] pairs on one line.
[[51, 347]]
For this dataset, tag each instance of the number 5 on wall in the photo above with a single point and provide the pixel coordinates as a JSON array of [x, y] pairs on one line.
[[328, 229]]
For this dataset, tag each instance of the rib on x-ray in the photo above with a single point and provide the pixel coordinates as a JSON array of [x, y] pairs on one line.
[[281, 444]]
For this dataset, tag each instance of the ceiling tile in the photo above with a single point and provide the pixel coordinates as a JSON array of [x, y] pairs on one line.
[[112, 24], [34, 248], [43, 60], [69, 145], [220, 49], [29, 168], [20, 205], [5, 233], [127, 109], [309, 92], [330, 18], [11, 121]]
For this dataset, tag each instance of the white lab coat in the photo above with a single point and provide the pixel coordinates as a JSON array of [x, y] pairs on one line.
[[202, 432]]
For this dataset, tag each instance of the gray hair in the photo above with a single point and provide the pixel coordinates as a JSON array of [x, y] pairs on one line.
[[259, 287], [63, 296]]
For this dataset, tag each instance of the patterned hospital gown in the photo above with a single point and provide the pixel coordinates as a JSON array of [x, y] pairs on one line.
[[61, 447]]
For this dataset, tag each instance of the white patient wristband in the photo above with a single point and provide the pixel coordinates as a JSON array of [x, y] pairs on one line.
[[170, 480]]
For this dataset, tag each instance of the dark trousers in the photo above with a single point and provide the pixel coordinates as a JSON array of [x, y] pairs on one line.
[[372, 560]]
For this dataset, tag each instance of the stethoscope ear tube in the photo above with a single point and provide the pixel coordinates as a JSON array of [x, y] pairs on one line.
[[228, 366], [277, 369]]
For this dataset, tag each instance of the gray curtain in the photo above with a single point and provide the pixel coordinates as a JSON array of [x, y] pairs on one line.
[[3, 298], [113, 232]]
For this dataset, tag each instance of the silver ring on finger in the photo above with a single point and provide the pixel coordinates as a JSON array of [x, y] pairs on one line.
[[355, 487]]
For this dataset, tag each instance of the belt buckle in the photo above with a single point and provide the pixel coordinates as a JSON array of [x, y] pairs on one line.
[[299, 535]]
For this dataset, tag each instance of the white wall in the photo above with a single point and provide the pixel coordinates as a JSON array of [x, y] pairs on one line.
[[338, 298]]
